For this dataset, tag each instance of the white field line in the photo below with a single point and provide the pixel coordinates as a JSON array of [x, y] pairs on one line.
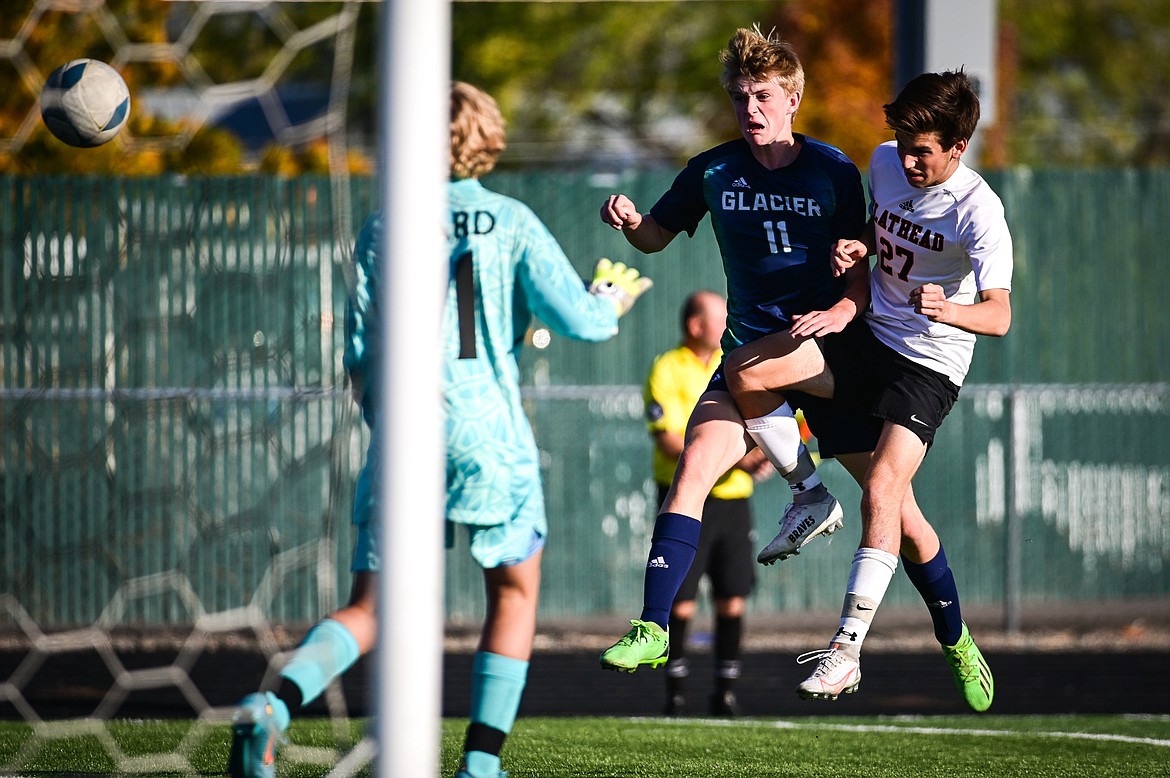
[[919, 730]]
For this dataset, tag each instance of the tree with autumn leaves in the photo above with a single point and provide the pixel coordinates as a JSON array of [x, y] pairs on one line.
[[569, 76], [592, 85], [606, 85]]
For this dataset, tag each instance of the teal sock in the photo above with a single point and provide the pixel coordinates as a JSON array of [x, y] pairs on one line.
[[497, 683], [326, 652]]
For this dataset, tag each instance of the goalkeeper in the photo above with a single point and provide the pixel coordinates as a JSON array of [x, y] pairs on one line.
[[505, 267]]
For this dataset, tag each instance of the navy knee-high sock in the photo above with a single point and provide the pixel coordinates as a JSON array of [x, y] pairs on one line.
[[672, 549], [935, 582]]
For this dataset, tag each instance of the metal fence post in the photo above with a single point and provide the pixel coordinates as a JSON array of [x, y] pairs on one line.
[[1013, 529]]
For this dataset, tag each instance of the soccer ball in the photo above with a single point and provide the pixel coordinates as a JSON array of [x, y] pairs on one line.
[[85, 103]]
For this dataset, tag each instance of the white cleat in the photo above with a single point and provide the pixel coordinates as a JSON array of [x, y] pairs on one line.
[[799, 525], [835, 674]]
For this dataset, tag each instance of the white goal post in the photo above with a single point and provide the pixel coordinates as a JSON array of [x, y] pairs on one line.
[[413, 144]]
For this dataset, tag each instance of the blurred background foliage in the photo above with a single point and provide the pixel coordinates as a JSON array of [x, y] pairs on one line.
[[589, 85], [605, 85]]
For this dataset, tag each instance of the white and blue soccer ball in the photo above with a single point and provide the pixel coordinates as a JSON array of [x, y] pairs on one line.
[[85, 103]]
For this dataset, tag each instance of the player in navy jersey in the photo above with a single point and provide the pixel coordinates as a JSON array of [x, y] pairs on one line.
[[778, 202], [943, 275]]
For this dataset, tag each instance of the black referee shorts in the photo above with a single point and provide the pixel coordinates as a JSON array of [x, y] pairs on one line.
[[726, 553]]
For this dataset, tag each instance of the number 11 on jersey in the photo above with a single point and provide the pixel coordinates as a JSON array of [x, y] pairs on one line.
[[782, 228]]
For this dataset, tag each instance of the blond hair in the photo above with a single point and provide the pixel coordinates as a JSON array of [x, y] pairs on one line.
[[477, 131], [752, 55]]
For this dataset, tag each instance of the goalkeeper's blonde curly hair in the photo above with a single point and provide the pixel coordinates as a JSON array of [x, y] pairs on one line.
[[477, 131]]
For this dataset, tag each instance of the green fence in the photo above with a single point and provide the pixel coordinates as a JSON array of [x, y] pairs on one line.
[[177, 445]]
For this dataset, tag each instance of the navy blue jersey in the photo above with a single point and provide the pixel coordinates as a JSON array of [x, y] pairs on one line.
[[776, 229]]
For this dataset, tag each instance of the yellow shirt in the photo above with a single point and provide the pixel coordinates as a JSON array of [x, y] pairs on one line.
[[675, 384]]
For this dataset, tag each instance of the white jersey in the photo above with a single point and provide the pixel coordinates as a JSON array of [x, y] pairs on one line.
[[954, 235]]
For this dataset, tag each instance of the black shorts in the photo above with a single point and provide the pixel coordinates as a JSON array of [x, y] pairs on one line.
[[725, 554], [838, 429], [871, 378]]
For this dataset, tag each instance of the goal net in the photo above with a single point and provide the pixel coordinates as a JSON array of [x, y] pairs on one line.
[[179, 446]]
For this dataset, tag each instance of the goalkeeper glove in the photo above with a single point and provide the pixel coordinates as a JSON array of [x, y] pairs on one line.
[[622, 285]]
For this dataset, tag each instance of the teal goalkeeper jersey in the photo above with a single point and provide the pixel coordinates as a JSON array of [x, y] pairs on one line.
[[505, 268]]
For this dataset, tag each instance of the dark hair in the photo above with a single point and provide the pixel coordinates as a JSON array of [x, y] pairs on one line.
[[942, 103]]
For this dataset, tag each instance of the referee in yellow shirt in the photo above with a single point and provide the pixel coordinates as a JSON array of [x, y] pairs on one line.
[[725, 555]]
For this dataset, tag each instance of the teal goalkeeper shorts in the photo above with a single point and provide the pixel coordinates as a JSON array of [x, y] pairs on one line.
[[500, 545], [365, 512], [493, 545], [517, 505]]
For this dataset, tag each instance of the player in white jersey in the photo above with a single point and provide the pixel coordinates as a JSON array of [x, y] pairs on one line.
[[942, 276], [957, 226]]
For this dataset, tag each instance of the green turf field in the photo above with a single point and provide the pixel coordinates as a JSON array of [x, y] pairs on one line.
[[948, 747]]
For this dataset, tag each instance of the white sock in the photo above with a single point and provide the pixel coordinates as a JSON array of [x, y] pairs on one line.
[[869, 577], [778, 436]]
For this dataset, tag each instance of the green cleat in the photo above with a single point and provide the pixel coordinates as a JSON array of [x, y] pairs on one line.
[[645, 644], [972, 675]]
